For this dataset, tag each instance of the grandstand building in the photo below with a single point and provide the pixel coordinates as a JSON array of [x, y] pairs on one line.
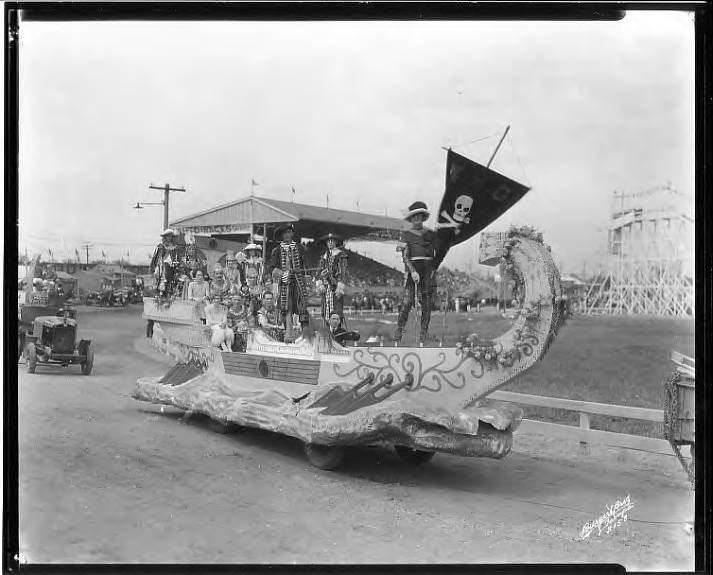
[[233, 225]]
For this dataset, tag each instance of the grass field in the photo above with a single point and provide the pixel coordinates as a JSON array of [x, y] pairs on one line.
[[618, 360]]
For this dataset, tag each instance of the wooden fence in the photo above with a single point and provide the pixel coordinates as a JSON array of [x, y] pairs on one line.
[[583, 433]]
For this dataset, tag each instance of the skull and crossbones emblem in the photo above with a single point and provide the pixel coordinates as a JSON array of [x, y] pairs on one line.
[[461, 211]]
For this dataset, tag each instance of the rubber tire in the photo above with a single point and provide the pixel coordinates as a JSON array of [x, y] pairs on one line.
[[221, 427], [88, 363], [413, 456], [31, 352], [325, 457]]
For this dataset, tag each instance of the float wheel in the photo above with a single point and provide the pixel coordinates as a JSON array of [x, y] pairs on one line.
[[221, 427], [326, 457], [413, 456]]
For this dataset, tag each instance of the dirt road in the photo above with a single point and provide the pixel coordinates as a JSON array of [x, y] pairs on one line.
[[104, 478]]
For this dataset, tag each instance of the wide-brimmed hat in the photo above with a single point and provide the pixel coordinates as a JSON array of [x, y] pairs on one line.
[[252, 247], [168, 232], [417, 208], [281, 229], [331, 236]]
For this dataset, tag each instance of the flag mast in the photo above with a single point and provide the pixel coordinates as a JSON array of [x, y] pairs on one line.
[[490, 161], [501, 267]]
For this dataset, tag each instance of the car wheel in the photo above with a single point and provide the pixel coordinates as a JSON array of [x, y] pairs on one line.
[[88, 362], [221, 427], [326, 457], [31, 358], [413, 456]]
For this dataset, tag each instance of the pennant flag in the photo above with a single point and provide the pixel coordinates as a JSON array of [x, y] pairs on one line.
[[76, 252], [293, 193], [50, 252], [254, 183], [475, 197], [103, 254]]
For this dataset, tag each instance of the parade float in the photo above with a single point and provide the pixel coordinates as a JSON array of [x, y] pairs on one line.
[[419, 399]]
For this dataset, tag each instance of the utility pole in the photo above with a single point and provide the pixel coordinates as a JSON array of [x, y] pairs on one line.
[[167, 189], [86, 247]]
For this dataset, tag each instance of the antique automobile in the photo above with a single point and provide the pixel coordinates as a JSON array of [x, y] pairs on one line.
[[92, 298], [27, 313], [136, 295], [53, 341], [110, 298]]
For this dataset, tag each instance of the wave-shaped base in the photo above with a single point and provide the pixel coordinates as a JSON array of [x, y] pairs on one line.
[[482, 430]]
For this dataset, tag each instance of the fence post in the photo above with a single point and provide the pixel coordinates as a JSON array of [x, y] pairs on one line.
[[584, 424]]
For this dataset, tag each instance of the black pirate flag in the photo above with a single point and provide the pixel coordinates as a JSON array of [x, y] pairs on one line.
[[475, 196]]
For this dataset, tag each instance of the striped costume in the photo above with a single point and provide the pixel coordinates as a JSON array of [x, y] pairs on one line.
[[289, 259], [333, 273]]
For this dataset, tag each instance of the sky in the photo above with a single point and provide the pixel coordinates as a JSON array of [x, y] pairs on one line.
[[356, 110]]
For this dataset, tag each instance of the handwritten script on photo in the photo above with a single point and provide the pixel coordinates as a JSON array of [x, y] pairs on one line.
[[612, 518]]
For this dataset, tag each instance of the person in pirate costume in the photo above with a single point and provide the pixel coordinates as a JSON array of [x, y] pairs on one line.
[[234, 272], [268, 317], [332, 276], [417, 245], [219, 287], [253, 265], [164, 262], [287, 262], [238, 319], [196, 261]]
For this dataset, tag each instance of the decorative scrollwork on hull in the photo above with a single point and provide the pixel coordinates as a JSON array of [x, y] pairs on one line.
[[448, 370]]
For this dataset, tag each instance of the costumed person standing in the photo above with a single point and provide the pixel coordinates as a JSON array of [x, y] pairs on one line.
[[287, 262], [332, 277], [164, 262], [196, 261], [268, 317], [216, 311], [234, 273], [197, 291], [253, 267], [219, 287], [417, 245]]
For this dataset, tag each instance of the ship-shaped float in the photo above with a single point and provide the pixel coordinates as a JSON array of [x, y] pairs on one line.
[[421, 400]]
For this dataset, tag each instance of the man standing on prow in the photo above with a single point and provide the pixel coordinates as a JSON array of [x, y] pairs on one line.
[[418, 252]]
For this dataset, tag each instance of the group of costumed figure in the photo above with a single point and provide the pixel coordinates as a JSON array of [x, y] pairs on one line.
[[247, 292], [273, 294]]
